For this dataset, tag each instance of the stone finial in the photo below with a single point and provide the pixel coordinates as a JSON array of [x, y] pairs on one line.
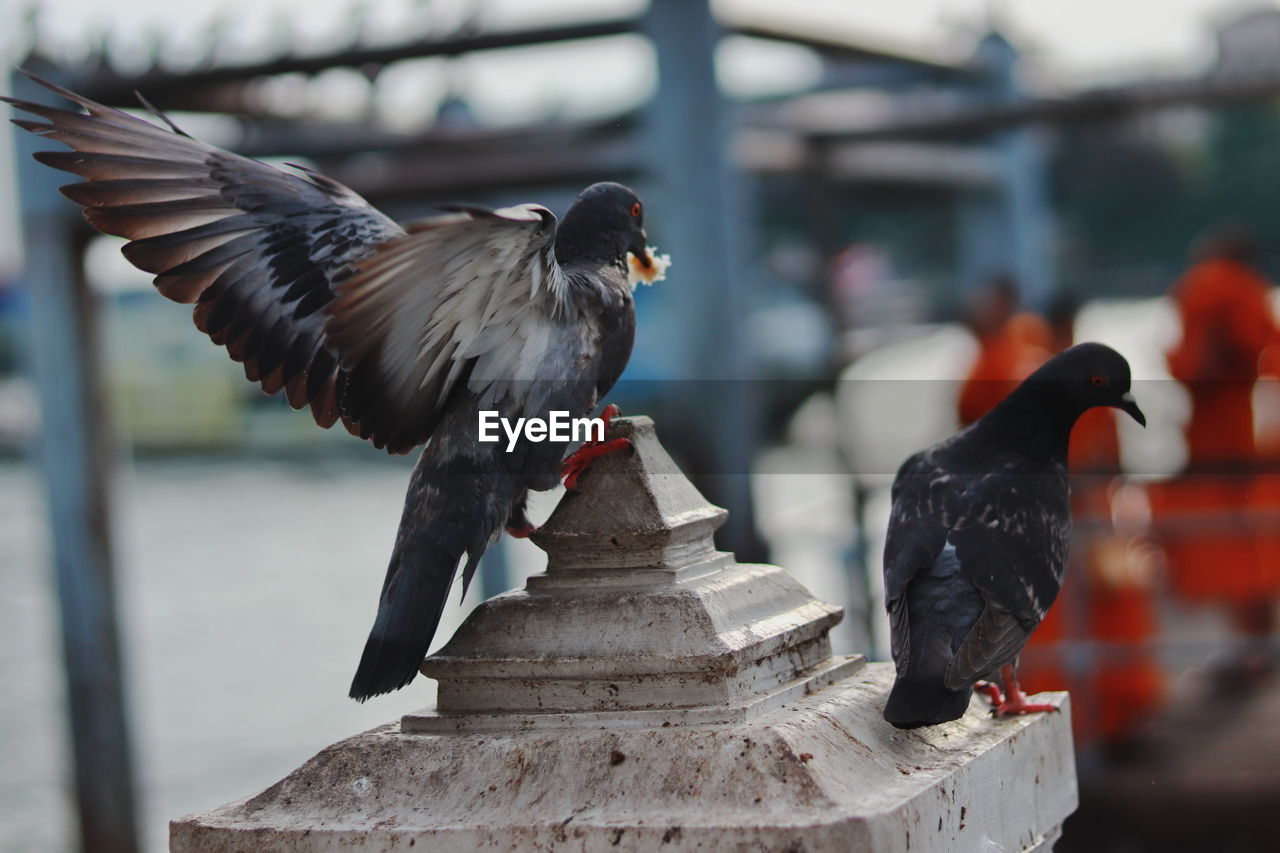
[[637, 611], [635, 518]]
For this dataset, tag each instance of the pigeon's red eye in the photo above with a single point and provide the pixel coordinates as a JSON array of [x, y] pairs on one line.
[[635, 210], [1097, 381]]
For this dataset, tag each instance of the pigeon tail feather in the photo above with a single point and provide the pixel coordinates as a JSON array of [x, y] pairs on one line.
[[453, 508], [917, 702], [920, 696]]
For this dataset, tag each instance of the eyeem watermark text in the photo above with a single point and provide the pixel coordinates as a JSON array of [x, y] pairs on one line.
[[559, 426]]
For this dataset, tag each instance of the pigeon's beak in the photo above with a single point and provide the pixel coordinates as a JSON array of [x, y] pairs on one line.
[[1130, 405], [640, 248]]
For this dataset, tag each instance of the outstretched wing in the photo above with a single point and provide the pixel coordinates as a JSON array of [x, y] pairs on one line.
[[262, 253], [1012, 544], [257, 249], [468, 296]]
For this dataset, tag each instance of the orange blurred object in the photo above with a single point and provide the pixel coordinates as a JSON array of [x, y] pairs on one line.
[[1209, 516], [1226, 325], [1006, 356], [1095, 443], [1212, 539]]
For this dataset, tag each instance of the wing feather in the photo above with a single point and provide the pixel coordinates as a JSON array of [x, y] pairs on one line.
[[414, 318], [258, 250], [313, 290], [995, 640], [1012, 544]]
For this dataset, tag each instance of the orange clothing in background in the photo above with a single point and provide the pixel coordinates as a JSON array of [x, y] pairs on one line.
[[1213, 545], [1095, 443], [1226, 324], [1005, 358], [1215, 550]]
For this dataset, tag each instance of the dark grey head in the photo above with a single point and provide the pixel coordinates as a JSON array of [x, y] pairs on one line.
[[1089, 375], [604, 222]]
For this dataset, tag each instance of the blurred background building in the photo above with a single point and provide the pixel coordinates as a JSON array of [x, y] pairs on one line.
[[880, 217]]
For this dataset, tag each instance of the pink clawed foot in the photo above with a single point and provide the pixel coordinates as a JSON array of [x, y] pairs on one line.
[[991, 691], [1014, 703], [1019, 705], [522, 532], [576, 463]]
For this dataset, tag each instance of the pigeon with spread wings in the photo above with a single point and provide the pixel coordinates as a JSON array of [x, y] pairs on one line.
[[978, 538], [401, 333]]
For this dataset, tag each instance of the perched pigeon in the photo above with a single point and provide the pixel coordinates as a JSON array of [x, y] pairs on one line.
[[403, 333], [978, 539]]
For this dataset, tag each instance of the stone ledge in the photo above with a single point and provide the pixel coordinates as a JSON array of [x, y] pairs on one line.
[[822, 773]]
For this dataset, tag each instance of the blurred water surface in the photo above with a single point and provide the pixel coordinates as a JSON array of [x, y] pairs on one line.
[[246, 590]]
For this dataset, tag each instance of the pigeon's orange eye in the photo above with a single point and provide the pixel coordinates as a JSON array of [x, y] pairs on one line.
[[1097, 381], [635, 210]]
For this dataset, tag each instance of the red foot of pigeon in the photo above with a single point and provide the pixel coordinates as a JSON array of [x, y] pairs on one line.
[[986, 688], [1015, 703], [576, 463], [522, 532]]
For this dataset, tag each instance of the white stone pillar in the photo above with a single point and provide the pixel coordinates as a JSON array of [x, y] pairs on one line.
[[649, 692]]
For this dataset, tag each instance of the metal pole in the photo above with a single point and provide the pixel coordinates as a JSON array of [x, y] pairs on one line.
[[706, 226], [1007, 231], [75, 453]]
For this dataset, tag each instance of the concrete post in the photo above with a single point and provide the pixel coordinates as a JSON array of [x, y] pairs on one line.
[[77, 458], [649, 692], [703, 218]]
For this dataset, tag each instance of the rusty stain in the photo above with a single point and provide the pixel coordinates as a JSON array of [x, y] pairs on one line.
[[616, 757]]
